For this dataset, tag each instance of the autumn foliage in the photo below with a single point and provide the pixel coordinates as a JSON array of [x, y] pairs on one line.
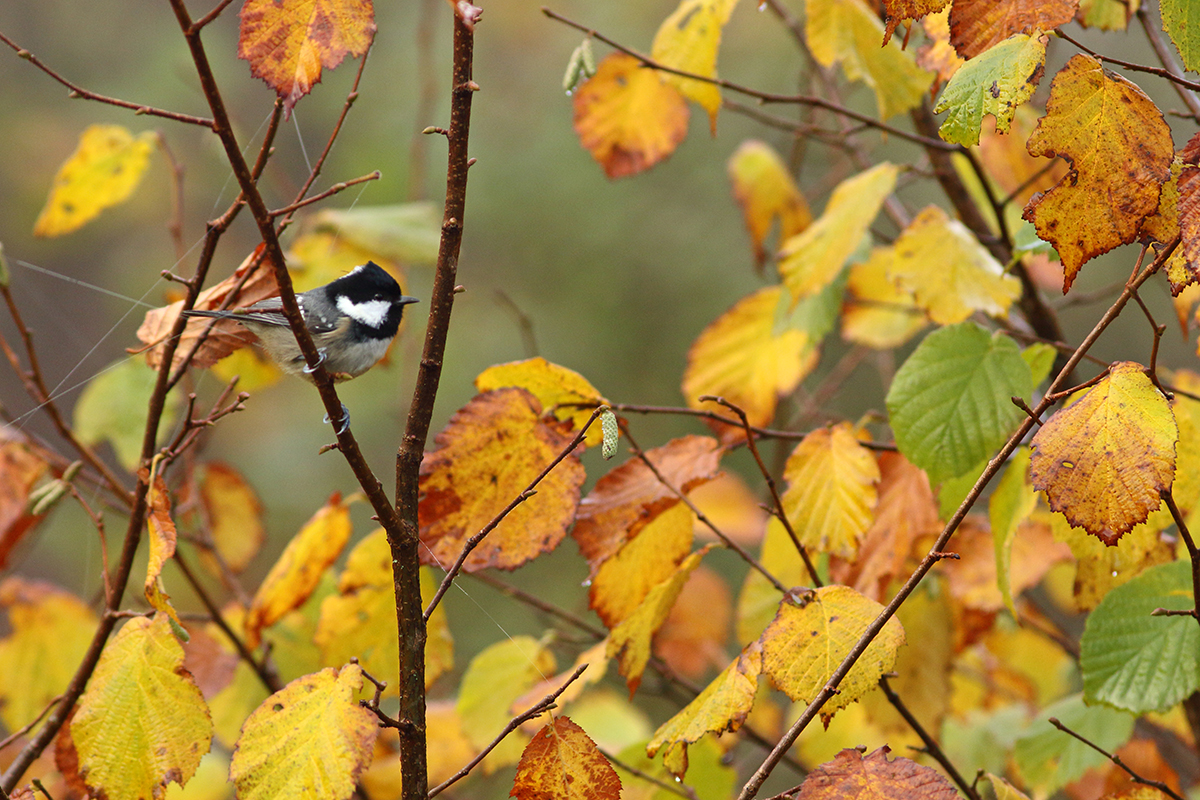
[[988, 580]]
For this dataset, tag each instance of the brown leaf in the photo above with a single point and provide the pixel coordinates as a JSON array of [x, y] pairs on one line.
[[976, 25], [849, 774], [562, 762], [628, 497], [225, 336], [488, 454]]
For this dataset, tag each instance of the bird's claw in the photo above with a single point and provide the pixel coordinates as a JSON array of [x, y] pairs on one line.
[[321, 355], [345, 420]]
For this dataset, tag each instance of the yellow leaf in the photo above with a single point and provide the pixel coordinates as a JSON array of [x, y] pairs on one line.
[[938, 55], [1118, 162], [234, 516], [831, 492], [49, 632], [562, 762], [878, 313], [749, 359], [488, 454], [308, 741], [493, 680], [360, 620], [759, 600], [849, 33], [103, 171], [1003, 789], [1100, 568], [161, 534], [807, 642], [629, 642], [722, 706], [810, 260], [1107, 15], [627, 117], [629, 496], [299, 567], [165, 727], [254, 370], [948, 271], [287, 44], [553, 386], [318, 257], [688, 41], [623, 581], [765, 190], [1104, 460]]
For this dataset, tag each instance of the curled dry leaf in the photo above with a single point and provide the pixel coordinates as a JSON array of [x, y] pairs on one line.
[[224, 336]]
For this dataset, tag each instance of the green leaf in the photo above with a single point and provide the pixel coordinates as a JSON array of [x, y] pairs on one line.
[[949, 403], [1049, 759], [1040, 358], [994, 82], [408, 233], [1181, 21], [1137, 662], [113, 407], [1009, 506]]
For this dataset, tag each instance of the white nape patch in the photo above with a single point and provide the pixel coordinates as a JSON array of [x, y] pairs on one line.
[[371, 313]]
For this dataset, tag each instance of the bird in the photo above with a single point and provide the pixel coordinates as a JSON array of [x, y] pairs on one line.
[[352, 319]]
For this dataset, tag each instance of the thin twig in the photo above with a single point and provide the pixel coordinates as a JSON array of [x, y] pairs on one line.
[[543, 705], [26, 728], [1116, 759], [931, 746], [330, 192]]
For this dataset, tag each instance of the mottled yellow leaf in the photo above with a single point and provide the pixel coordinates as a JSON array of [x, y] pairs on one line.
[[831, 492], [103, 171], [722, 706], [309, 741], [299, 567], [1119, 149], [555, 388], [49, 632], [488, 454], [808, 640], [1104, 460], [165, 726], [627, 117], [949, 272], [810, 260], [688, 41], [848, 32]]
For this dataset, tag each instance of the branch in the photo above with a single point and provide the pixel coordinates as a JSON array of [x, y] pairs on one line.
[[330, 192], [79, 91], [1167, 60], [529, 492], [545, 704], [939, 546], [931, 745], [1116, 759]]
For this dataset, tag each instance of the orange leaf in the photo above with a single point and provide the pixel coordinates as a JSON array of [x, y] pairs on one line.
[[972, 578], [299, 568], [225, 336], [627, 117], [766, 191], [1104, 460], [628, 497], [939, 55], [749, 359], [622, 581], [487, 455], [20, 469], [693, 638], [896, 11], [976, 25], [1119, 162], [562, 762], [852, 775], [287, 43]]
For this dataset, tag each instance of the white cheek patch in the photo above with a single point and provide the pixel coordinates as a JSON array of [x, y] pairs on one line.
[[371, 313]]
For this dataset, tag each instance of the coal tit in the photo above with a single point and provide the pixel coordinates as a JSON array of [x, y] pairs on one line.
[[352, 321]]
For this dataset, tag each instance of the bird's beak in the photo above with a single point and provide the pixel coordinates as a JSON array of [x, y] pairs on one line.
[[405, 300]]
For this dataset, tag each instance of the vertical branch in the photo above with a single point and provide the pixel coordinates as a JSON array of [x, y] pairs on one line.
[[404, 542]]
